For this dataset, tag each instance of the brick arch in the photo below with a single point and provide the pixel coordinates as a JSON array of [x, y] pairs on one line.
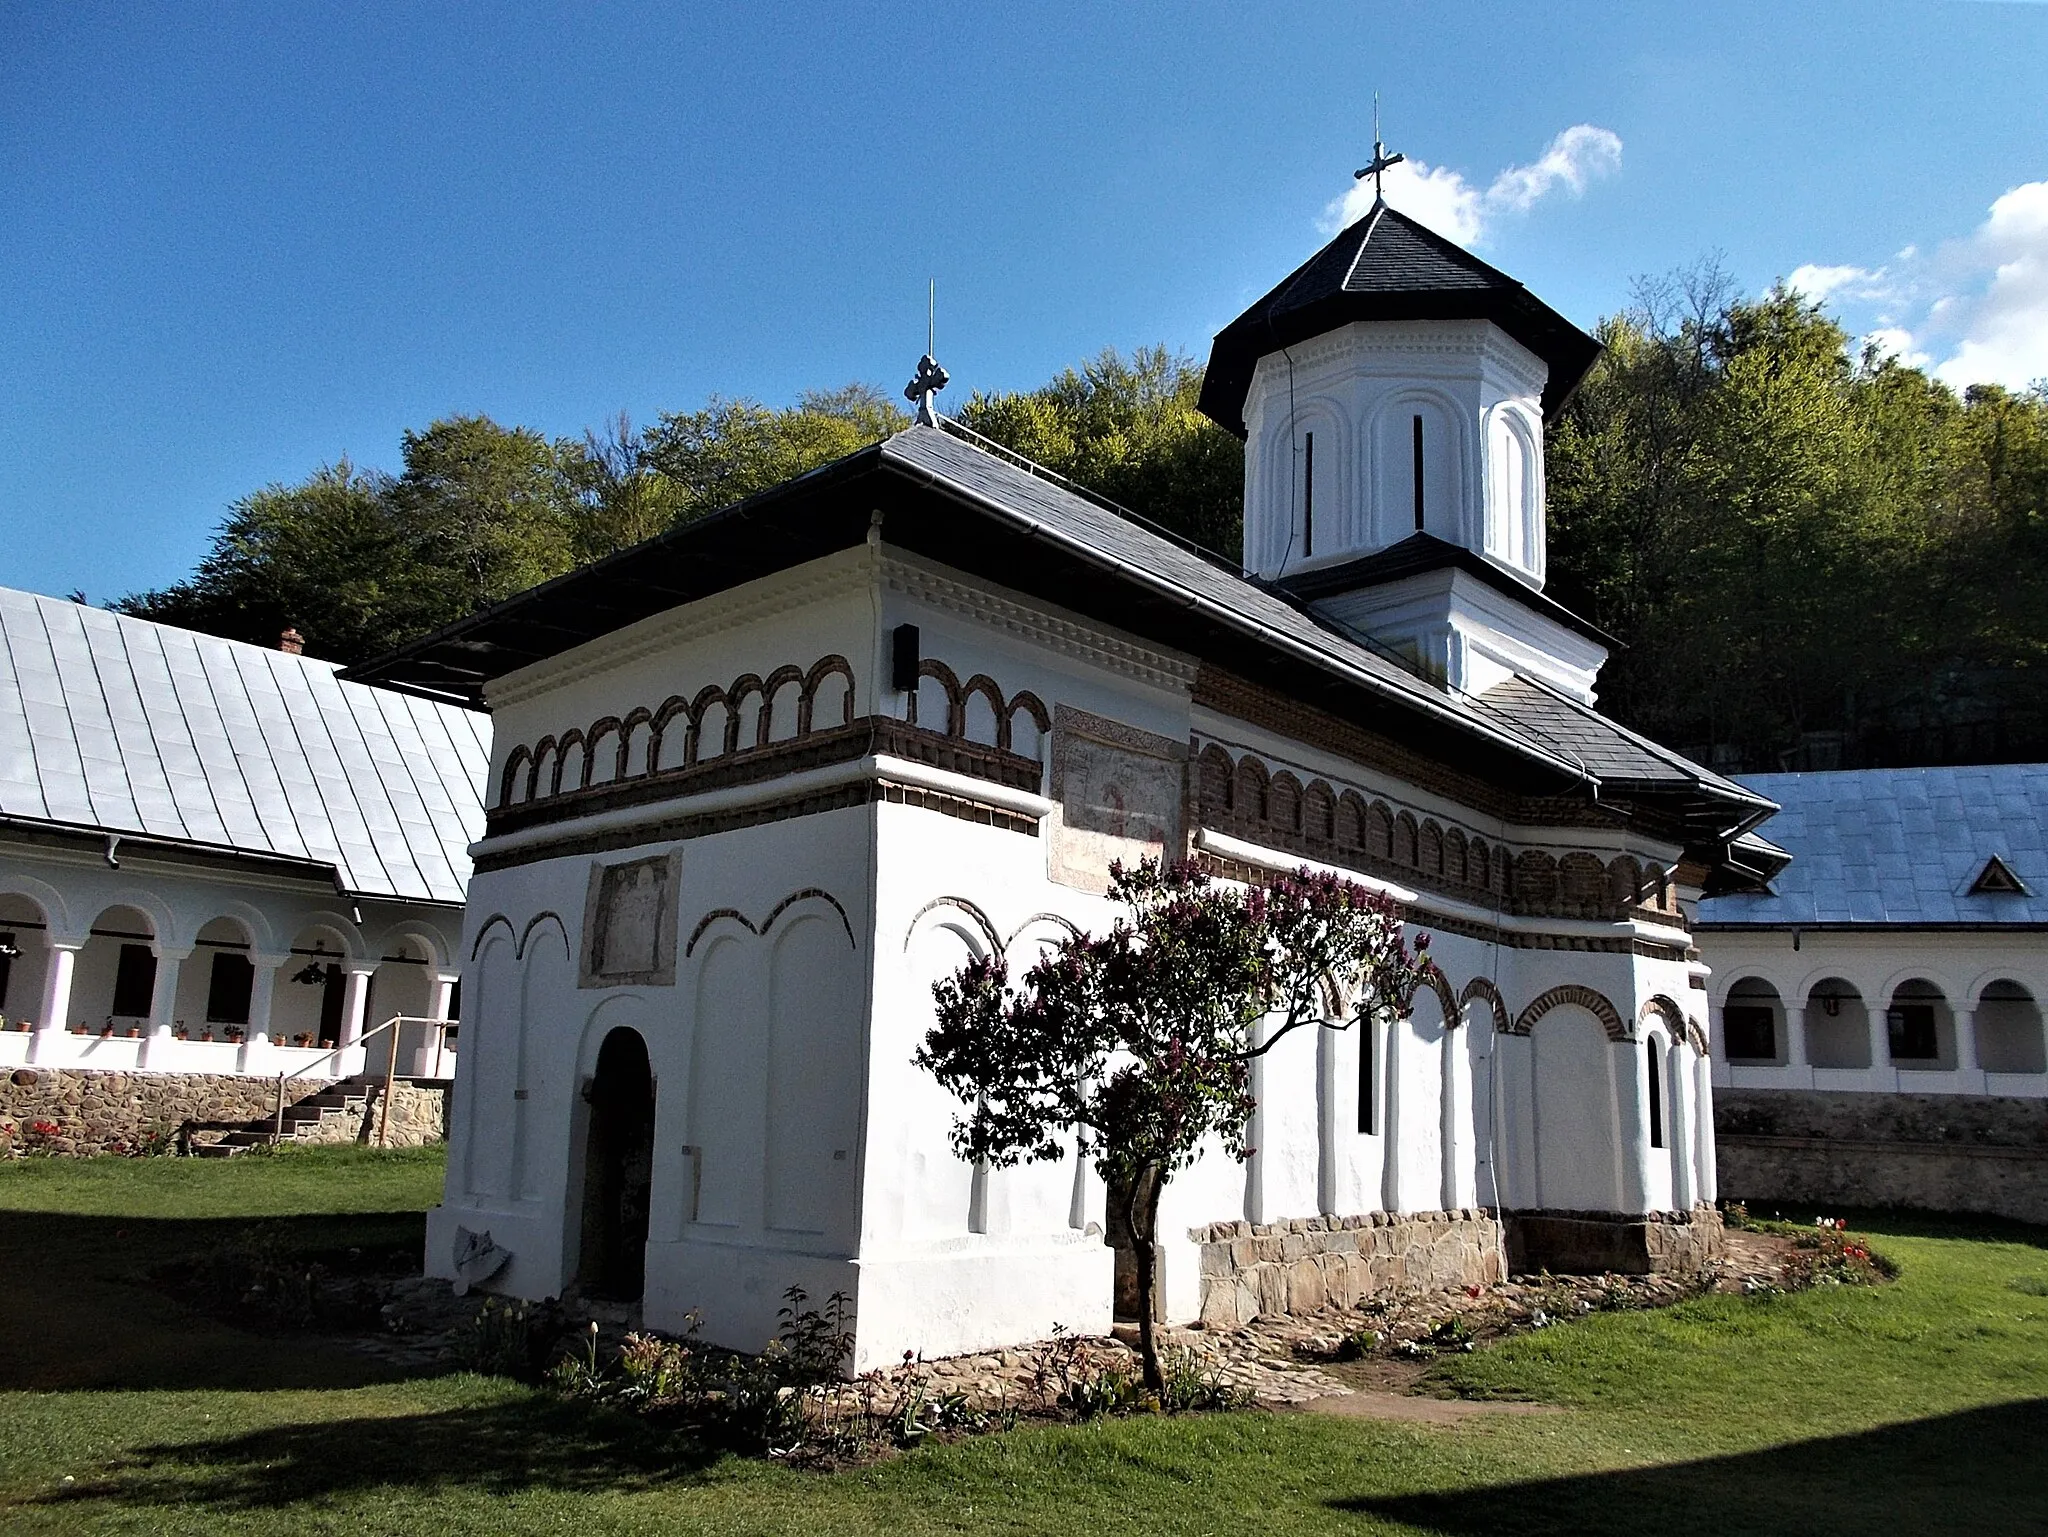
[[1479, 864], [1032, 706], [540, 764], [1283, 802], [1583, 880], [1535, 881], [833, 665], [569, 739], [1584, 997], [1216, 778], [998, 707], [1406, 838], [1435, 980], [635, 718], [658, 722], [1454, 856], [1249, 797], [707, 696], [1429, 848], [743, 687], [1676, 1024], [1379, 831], [515, 760], [596, 732], [956, 699], [1319, 812], [1624, 881], [1482, 990], [773, 685], [1349, 829]]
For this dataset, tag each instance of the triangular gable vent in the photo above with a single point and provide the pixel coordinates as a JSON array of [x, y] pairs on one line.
[[1997, 880]]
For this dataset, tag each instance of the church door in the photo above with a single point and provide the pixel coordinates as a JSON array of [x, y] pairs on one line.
[[618, 1166]]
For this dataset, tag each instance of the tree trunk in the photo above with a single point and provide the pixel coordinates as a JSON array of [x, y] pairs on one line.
[[1142, 1213]]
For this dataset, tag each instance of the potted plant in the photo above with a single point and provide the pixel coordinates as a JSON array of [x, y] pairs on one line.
[[233, 1033], [303, 1038]]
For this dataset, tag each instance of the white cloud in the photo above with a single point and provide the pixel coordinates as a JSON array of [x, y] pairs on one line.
[[1442, 199], [1972, 310], [1820, 284]]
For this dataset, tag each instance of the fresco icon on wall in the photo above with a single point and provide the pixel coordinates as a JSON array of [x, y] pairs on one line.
[[629, 924], [1119, 792]]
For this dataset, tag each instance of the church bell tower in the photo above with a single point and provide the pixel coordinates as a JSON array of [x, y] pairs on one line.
[[1392, 393]]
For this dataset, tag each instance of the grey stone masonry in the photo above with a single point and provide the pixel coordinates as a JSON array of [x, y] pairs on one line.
[[1599, 1242], [117, 1112], [1935, 1152], [1261, 1270]]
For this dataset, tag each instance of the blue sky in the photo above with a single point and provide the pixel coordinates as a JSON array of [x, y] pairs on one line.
[[238, 242]]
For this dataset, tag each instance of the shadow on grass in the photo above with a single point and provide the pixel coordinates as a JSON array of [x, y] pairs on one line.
[[532, 1442], [1971, 1472], [79, 1308]]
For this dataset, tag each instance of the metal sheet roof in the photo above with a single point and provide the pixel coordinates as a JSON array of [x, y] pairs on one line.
[[114, 724], [1900, 846]]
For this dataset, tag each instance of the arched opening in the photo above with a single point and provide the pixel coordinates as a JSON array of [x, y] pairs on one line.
[[2009, 1038], [24, 957], [1837, 1026], [1578, 1135], [306, 1008], [618, 1170], [1919, 1027], [115, 982], [1753, 1023]]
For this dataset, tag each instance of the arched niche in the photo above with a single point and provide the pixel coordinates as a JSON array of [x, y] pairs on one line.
[[1418, 431], [1920, 1027], [2008, 1025], [1753, 1025], [1837, 1025]]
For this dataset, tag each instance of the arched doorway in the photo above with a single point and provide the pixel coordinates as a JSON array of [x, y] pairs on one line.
[[618, 1167]]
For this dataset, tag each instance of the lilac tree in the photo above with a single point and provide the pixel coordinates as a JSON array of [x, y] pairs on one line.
[[1144, 1038]]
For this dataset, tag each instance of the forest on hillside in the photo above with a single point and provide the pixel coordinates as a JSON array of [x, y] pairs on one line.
[[1813, 555]]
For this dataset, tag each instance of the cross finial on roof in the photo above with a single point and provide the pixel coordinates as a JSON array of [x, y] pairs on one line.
[[930, 378], [1381, 161]]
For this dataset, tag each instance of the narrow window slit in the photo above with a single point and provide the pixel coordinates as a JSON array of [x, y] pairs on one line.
[[1418, 474], [1308, 494]]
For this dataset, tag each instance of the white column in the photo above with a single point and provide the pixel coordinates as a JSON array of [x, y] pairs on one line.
[[1255, 1135], [262, 985], [355, 1002], [1456, 1133], [1391, 1111], [1678, 1093], [1703, 1131], [432, 1053], [1881, 1070], [1329, 1121], [163, 1004], [1636, 1152], [1796, 1059], [1967, 1066], [60, 965]]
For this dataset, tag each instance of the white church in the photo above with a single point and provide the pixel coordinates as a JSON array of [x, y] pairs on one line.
[[757, 783]]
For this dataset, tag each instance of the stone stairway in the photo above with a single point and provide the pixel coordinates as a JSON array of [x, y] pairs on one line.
[[303, 1121]]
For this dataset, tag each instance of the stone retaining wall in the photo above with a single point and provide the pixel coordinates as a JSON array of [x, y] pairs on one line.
[[1252, 1270], [1599, 1242], [1984, 1154], [113, 1112]]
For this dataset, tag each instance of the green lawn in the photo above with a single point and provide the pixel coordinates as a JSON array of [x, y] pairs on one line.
[[1916, 1407]]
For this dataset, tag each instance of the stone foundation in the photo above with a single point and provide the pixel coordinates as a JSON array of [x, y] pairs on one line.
[[1260, 1270], [114, 1112], [1982, 1154], [1598, 1243]]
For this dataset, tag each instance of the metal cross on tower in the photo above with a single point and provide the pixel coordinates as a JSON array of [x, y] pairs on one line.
[[930, 377], [1381, 161]]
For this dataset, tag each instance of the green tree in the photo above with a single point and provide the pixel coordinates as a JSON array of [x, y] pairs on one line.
[[1128, 429], [1142, 1040], [325, 555]]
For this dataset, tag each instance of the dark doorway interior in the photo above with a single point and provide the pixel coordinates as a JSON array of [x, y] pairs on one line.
[[333, 992], [618, 1165]]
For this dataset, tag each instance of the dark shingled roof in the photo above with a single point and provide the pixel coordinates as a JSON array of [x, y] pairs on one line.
[[1388, 267], [1421, 552], [976, 512]]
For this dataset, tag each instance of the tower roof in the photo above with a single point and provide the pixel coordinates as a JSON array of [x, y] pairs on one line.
[[1388, 267]]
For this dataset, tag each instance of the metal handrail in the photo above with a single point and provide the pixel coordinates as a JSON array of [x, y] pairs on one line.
[[390, 1060]]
